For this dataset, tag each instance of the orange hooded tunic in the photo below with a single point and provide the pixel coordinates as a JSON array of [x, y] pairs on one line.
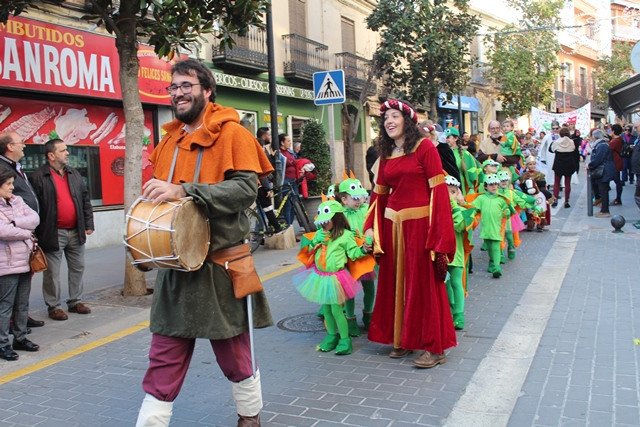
[[235, 149]]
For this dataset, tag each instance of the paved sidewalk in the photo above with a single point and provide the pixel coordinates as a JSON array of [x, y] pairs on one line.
[[585, 353]]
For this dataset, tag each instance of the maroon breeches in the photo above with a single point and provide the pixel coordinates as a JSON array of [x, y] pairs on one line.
[[169, 359]]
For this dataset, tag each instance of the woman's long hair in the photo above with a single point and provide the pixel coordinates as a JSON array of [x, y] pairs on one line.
[[411, 135], [340, 223]]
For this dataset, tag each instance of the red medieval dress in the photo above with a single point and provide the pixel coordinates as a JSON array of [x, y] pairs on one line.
[[410, 215]]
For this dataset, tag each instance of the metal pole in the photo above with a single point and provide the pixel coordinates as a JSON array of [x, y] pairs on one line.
[[460, 118], [251, 346], [273, 97], [589, 194], [332, 143]]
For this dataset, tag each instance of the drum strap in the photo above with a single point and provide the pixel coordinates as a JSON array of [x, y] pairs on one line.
[[196, 174]]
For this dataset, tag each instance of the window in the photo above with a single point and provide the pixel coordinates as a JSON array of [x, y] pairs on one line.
[[348, 35], [583, 82], [249, 120], [298, 17]]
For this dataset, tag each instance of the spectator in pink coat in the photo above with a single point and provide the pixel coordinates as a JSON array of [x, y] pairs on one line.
[[17, 222]]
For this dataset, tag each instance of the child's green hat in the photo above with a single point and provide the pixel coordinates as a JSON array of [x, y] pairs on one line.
[[326, 211], [492, 178], [452, 131]]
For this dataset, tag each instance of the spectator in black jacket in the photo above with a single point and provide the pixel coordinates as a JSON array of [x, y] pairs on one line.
[[66, 218], [635, 163]]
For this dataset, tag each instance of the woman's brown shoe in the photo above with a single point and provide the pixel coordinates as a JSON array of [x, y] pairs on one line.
[[399, 353], [428, 360]]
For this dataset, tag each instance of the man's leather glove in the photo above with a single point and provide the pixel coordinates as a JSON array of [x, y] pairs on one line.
[[441, 264]]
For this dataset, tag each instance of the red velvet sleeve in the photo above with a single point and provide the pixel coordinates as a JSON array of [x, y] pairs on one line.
[[441, 236]]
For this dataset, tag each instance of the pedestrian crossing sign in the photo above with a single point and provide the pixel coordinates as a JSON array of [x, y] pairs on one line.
[[328, 87]]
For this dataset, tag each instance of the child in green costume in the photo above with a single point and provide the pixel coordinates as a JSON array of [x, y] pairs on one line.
[[494, 212], [456, 289], [352, 195], [326, 280], [509, 144], [519, 201]]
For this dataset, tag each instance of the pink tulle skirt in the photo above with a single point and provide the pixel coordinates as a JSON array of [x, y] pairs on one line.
[[516, 224], [326, 287]]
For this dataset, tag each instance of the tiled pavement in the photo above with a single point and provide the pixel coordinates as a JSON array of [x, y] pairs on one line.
[[585, 369]]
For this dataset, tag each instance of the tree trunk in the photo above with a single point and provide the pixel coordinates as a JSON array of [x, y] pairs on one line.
[[349, 138], [134, 280], [433, 109]]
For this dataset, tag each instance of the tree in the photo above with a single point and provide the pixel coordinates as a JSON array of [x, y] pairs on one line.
[[523, 57], [169, 26], [424, 47], [352, 113], [612, 70], [316, 149]]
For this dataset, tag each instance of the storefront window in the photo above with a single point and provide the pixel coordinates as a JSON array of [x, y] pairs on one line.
[[85, 159], [249, 120]]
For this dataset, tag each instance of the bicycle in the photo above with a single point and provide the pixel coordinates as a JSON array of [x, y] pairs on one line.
[[259, 227]]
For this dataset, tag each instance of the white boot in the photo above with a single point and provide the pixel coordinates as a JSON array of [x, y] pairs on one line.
[[248, 396], [154, 412]]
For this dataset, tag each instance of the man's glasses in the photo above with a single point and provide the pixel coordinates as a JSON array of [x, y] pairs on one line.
[[185, 87], [555, 128]]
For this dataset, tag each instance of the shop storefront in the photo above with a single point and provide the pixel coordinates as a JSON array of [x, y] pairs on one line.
[[60, 82], [251, 98], [448, 112]]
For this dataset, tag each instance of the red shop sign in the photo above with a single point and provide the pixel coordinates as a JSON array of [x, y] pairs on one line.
[[38, 56]]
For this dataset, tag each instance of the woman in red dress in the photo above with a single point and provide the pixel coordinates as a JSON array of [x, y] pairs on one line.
[[412, 229]]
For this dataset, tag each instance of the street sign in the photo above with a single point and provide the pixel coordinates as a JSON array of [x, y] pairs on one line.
[[328, 87]]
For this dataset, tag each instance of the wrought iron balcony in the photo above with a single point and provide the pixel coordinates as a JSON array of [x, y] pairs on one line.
[[480, 74], [249, 54], [303, 57], [356, 71]]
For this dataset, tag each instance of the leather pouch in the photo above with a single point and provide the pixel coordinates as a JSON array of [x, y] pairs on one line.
[[238, 263]]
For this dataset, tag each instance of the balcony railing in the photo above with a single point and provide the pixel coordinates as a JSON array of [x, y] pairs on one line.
[[248, 54], [356, 71], [480, 74], [303, 57], [626, 32]]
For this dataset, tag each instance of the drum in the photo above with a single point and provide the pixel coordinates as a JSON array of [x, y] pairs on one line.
[[173, 234]]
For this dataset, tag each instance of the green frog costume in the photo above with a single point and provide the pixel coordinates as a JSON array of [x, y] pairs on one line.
[[353, 187], [326, 280]]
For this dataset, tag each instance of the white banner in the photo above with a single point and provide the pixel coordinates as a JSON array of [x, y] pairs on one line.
[[541, 120]]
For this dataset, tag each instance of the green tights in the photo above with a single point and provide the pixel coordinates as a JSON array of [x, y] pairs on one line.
[[335, 320], [369, 289]]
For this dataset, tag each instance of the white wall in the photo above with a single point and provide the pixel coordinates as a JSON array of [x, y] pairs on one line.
[[109, 229]]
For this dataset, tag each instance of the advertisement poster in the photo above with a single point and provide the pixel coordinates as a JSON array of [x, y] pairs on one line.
[[39, 56], [78, 125]]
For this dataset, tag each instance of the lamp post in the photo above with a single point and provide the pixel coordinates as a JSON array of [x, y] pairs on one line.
[[563, 73]]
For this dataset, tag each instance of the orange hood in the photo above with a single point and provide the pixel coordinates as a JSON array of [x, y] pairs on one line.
[[228, 146]]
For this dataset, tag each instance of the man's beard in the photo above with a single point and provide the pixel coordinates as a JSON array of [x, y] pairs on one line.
[[189, 116]]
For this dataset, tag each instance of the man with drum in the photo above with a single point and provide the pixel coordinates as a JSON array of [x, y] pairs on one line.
[[208, 137]]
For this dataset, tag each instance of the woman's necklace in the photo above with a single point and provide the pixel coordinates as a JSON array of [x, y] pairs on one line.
[[397, 149]]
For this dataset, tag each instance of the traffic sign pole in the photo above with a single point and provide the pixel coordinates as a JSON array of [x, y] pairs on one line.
[[332, 143]]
